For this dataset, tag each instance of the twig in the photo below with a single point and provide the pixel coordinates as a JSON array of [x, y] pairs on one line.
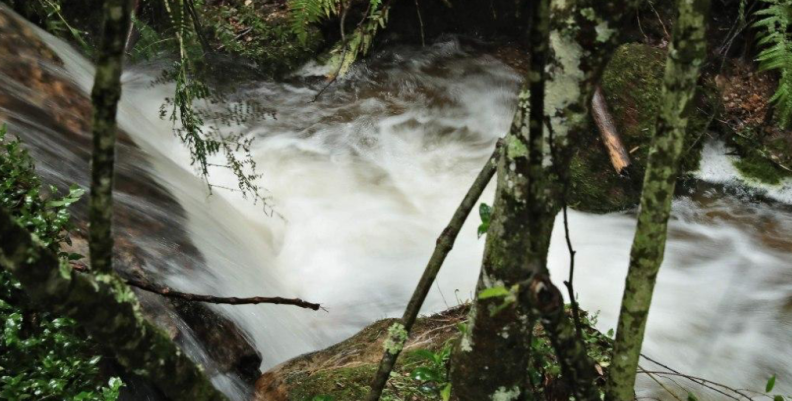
[[170, 293], [420, 21], [651, 376], [444, 244], [568, 283], [702, 382]]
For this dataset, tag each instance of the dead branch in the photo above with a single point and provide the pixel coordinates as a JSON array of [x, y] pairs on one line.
[[170, 293], [610, 136]]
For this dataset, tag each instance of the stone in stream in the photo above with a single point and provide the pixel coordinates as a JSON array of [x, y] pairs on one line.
[[52, 117]]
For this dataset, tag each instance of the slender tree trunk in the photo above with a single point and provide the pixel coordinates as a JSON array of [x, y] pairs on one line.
[[107, 309], [491, 359], [685, 56], [105, 95]]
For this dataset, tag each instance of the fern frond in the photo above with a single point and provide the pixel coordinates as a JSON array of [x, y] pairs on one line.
[[776, 54], [303, 13]]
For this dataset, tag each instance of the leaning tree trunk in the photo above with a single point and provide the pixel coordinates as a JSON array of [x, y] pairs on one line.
[[105, 95], [107, 309], [491, 359], [685, 56]]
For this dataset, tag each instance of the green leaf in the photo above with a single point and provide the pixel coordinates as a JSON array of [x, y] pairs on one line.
[[778, 398], [445, 393], [323, 397], [425, 374], [485, 212], [426, 354], [770, 384], [691, 397], [494, 292]]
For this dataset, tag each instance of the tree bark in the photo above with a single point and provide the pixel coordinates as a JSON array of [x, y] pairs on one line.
[[107, 309], [685, 56], [104, 96], [444, 245], [582, 35], [491, 359]]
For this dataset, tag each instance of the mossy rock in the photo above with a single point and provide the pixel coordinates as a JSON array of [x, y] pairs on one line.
[[632, 84], [260, 32], [345, 370]]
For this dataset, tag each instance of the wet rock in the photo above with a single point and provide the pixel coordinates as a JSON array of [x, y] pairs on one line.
[[52, 117]]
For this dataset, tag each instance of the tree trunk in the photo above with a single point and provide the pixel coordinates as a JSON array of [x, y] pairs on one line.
[[107, 309], [582, 35], [685, 56], [491, 359], [105, 95]]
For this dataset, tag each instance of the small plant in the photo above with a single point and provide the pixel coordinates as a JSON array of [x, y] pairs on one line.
[[436, 372], [485, 212]]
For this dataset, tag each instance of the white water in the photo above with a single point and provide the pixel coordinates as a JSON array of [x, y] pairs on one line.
[[366, 178]]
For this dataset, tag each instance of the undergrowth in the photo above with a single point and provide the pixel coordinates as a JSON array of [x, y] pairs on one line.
[[42, 356]]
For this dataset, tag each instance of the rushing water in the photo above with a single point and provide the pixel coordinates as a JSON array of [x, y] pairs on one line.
[[365, 178]]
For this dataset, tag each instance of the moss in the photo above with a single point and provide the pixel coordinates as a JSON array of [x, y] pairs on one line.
[[632, 84], [757, 167], [260, 33]]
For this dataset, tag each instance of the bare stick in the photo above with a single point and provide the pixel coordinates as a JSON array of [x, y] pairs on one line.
[[170, 293], [444, 244], [610, 136], [568, 283]]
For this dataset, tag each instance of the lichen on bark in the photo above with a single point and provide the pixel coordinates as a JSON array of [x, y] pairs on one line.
[[685, 57]]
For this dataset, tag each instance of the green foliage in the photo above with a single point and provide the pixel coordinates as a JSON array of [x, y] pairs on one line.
[[188, 122], [305, 13], [436, 372], [42, 356], [20, 191], [485, 212], [776, 54], [50, 16]]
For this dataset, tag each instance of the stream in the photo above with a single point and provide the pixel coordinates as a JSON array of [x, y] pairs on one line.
[[362, 181]]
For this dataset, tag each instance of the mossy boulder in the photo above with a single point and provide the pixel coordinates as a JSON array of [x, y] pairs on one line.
[[632, 84], [345, 370]]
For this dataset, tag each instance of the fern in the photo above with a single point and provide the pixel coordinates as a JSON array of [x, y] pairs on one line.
[[776, 53], [303, 13]]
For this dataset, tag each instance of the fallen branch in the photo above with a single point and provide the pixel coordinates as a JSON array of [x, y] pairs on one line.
[[444, 244], [607, 129], [170, 293]]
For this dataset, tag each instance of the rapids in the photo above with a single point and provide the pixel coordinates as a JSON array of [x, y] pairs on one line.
[[364, 179]]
